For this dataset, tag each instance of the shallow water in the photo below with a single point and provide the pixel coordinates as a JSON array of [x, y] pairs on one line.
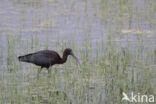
[[36, 24], [76, 20], [50, 22], [31, 25]]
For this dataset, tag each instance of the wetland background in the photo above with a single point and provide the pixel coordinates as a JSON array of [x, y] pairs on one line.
[[115, 41]]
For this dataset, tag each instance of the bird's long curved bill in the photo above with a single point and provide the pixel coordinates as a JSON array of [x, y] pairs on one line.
[[75, 58]]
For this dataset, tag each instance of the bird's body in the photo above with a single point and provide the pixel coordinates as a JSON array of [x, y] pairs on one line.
[[46, 58]]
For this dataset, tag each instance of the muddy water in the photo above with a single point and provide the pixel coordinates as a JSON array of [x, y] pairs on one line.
[[29, 25], [39, 24], [79, 20]]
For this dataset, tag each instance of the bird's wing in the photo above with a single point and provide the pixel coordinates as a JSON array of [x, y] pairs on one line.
[[51, 54], [46, 57], [40, 59]]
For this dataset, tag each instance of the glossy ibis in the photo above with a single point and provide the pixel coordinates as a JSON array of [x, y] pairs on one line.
[[47, 58]]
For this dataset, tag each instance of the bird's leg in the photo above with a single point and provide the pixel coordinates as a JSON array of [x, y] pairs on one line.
[[39, 71], [49, 71]]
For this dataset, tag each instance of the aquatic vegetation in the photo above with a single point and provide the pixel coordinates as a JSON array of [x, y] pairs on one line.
[[114, 40]]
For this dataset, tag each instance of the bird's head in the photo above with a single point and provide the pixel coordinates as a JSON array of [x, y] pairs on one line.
[[69, 51]]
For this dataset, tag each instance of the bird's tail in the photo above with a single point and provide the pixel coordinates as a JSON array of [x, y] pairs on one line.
[[25, 58]]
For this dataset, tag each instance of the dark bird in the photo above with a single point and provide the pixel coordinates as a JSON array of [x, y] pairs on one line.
[[47, 58]]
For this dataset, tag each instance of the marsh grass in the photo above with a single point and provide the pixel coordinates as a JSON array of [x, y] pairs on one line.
[[100, 80], [106, 70]]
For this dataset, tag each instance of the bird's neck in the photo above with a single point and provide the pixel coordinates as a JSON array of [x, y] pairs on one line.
[[64, 58]]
